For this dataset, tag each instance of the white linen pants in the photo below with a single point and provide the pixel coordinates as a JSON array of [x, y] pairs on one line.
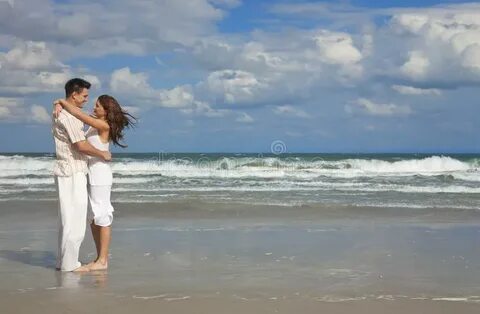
[[72, 214]]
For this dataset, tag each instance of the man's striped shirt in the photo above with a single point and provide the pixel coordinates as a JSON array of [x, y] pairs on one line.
[[67, 130]]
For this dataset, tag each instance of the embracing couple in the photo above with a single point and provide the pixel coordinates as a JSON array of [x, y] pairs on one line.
[[82, 173]]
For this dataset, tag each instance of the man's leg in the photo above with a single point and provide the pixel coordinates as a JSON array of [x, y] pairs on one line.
[[58, 264], [73, 208], [66, 261], [81, 205]]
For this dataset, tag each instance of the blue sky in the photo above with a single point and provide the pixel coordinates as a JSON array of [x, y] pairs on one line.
[[234, 76]]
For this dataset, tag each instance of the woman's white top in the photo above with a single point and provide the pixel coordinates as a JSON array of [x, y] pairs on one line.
[[99, 171]]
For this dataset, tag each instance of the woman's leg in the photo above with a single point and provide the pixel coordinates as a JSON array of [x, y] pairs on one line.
[[101, 224], [105, 236], [96, 237]]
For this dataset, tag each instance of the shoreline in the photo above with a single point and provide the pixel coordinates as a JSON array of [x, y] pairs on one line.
[[194, 209]]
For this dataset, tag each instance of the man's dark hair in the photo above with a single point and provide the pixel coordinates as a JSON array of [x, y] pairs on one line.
[[76, 85]]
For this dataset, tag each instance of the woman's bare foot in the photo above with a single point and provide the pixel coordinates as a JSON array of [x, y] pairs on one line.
[[81, 269], [91, 264], [98, 265]]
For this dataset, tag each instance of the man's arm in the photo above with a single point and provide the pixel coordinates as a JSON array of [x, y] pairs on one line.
[[77, 138], [86, 148]]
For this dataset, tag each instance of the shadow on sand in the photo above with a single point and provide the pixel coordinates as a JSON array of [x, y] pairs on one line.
[[44, 259]]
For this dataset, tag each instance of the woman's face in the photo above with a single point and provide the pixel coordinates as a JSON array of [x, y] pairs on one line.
[[98, 110]]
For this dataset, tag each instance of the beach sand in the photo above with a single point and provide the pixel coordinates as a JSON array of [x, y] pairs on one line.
[[194, 257]]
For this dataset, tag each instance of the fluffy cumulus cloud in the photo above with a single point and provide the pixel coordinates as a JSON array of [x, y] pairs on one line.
[[234, 86], [226, 3], [416, 52], [272, 67], [31, 67], [368, 107], [135, 85], [289, 110], [443, 43], [39, 114], [15, 110], [409, 90], [337, 48], [202, 108], [244, 118], [179, 96], [121, 26], [7, 105], [30, 55], [416, 66], [123, 81]]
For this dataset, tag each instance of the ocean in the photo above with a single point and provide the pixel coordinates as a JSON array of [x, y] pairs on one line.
[[379, 180]]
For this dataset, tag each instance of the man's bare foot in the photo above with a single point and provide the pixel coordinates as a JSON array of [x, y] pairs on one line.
[[99, 266], [81, 269]]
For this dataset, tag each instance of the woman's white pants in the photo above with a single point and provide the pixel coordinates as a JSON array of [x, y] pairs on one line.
[[100, 210]]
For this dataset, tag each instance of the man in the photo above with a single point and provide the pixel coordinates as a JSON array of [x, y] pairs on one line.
[[70, 172]]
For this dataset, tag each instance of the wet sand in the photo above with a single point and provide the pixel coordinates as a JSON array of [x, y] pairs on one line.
[[192, 257]]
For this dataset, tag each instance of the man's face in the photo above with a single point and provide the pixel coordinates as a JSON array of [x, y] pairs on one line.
[[80, 98]]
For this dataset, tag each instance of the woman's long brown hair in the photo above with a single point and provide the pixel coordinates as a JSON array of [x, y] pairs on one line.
[[117, 118]]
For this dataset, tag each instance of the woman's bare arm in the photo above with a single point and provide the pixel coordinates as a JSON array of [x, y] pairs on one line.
[[82, 116]]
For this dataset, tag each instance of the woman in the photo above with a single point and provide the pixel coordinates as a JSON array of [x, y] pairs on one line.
[[106, 125]]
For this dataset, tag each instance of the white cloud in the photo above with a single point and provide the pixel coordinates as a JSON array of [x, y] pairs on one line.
[[442, 41], [30, 55], [135, 85], [227, 3], [9, 107], [14, 110], [4, 112], [273, 66], [471, 57], [255, 52], [179, 96], [119, 26], [377, 109], [409, 90], [244, 118], [8, 102], [31, 67], [416, 66], [123, 81], [203, 109], [40, 114], [133, 110], [290, 111], [431, 46], [337, 48], [234, 86]]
